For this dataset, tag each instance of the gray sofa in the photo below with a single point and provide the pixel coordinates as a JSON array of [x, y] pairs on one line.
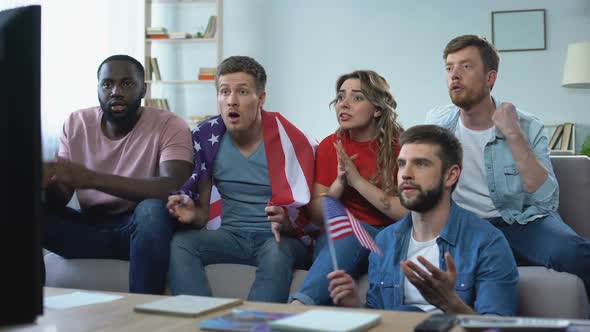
[[542, 292]]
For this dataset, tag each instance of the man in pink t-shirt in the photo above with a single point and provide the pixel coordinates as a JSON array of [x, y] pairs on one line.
[[122, 161]]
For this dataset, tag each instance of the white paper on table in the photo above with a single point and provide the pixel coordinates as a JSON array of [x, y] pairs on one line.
[[77, 299]]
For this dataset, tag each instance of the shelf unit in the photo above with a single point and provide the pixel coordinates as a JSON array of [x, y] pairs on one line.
[[179, 60]]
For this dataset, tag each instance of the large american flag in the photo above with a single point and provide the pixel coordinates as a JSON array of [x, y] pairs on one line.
[[341, 223], [290, 156]]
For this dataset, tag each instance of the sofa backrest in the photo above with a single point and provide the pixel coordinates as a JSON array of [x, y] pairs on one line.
[[573, 176]]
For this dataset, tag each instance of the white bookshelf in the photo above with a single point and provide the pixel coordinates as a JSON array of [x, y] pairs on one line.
[[179, 60]]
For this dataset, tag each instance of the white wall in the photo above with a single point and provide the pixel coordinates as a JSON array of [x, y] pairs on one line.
[[305, 45], [76, 37]]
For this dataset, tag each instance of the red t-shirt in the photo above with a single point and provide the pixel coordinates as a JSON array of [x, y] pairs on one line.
[[327, 169]]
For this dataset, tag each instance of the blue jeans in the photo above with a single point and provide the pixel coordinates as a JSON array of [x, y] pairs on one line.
[[142, 237], [549, 242], [192, 250], [351, 257]]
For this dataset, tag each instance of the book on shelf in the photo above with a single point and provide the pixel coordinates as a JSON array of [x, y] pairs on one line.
[[239, 320], [186, 305], [555, 137], [157, 37], [156, 33], [179, 35], [156, 30], [155, 69], [567, 136], [207, 73], [211, 27]]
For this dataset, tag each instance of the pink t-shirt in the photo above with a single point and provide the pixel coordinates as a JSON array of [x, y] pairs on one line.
[[158, 136]]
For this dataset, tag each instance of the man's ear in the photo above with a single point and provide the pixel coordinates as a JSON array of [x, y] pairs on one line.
[[261, 99], [143, 91], [452, 176], [491, 78]]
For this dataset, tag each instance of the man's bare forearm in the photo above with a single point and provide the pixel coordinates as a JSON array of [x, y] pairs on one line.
[[133, 189]]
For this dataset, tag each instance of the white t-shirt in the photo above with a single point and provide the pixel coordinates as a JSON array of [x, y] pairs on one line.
[[430, 251], [472, 192]]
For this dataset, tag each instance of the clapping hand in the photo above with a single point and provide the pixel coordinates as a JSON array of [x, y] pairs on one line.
[[346, 166], [436, 286]]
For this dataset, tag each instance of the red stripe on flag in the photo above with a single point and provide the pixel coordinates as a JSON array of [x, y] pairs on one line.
[[334, 230], [340, 228], [362, 235], [275, 156], [215, 209], [303, 150]]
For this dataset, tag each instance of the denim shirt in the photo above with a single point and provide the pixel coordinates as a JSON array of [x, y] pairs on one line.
[[487, 277], [502, 175]]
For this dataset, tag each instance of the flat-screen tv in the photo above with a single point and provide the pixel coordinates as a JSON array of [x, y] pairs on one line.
[[21, 276]]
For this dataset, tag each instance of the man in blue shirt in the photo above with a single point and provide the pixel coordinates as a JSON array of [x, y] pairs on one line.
[[439, 257], [507, 176], [244, 153]]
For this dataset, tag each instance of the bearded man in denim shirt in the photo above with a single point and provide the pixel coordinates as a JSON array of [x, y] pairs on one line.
[[451, 260], [507, 176]]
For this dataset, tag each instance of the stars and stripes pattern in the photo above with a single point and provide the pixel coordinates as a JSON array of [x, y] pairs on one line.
[[340, 223], [290, 157]]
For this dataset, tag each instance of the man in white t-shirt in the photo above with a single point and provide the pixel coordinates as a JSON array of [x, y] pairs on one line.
[[122, 160], [439, 257], [507, 178]]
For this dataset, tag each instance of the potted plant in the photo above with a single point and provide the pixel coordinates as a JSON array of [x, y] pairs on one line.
[[585, 150]]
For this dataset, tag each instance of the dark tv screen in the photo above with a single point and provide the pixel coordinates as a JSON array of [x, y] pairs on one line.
[[21, 274]]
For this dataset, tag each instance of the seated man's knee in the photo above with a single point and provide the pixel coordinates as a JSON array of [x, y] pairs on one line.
[[151, 216], [276, 252], [151, 207], [569, 254]]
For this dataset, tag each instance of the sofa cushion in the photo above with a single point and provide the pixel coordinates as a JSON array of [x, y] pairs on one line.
[[547, 293], [573, 176], [92, 274]]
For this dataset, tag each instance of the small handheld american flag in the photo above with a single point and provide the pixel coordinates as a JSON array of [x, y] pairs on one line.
[[340, 223]]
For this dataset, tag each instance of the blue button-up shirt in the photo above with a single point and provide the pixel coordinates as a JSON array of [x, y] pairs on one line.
[[502, 175], [487, 277]]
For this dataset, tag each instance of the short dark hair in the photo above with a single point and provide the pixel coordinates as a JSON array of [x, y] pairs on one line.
[[242, 64], [450, 150], [487, 51], [126, 58]]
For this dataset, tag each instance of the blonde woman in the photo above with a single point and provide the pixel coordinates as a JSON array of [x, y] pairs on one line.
[[357, 165]]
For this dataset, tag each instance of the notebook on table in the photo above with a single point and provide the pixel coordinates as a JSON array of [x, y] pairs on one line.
[[320, 320], [187, 305], [243, 321]]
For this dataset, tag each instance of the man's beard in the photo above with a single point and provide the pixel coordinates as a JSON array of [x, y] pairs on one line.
[[425, 200], [469, 99], [127, 119]]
